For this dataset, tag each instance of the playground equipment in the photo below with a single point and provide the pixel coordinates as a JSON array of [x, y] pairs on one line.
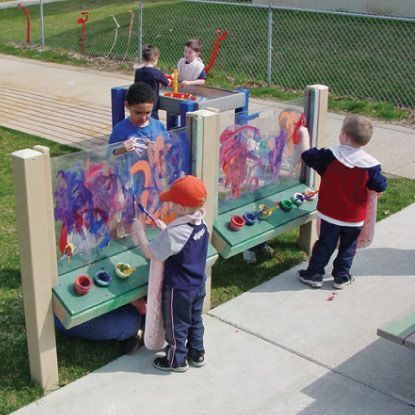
[[82, 21], [204, 97], [88, 201], [26, 11], [220, 37]]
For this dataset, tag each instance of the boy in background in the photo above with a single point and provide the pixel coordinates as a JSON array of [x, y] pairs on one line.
[[182, 245], [191, 68], [347, 173], [151, 75]]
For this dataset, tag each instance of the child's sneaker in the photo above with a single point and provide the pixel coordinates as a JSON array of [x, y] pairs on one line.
[[313, 280], [132, 344], [249, 256], [161, 363], [340, 282], [197, 360], [269, 250]]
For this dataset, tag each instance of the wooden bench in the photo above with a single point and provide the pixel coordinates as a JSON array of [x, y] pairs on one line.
[[401, 329]]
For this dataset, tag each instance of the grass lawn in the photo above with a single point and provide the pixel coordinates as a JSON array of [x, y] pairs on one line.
[[231, 277]]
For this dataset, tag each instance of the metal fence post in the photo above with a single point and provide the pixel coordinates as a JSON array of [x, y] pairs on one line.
[[42, 28], [140, 31], [269, 72]]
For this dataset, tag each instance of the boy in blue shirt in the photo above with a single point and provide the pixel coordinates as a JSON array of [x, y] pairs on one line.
[[137, 131], [182, 245]]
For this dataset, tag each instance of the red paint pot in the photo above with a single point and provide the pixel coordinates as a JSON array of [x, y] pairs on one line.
[[236, 223], [82, 284]]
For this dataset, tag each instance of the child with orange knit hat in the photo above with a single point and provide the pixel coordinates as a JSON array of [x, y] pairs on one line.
[[182, 245]]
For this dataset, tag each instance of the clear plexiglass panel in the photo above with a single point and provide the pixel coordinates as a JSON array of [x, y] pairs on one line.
[[96, 194], [260, 154]]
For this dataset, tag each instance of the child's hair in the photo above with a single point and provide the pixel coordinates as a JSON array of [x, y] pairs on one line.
[[194, 44], [150, 53], [358, 128], [139, 93]]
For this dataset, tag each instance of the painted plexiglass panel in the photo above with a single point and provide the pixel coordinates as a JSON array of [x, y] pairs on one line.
[[96, 195], [259, 155]]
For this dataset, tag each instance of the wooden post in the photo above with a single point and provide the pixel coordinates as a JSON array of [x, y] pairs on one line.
[[315, 109], [203, 127], [34, 212]]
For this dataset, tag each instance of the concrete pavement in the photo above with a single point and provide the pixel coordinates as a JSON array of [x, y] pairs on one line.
[[281, 348], [72, 105]]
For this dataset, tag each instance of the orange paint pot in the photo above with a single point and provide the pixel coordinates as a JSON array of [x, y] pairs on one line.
[[236, 223]]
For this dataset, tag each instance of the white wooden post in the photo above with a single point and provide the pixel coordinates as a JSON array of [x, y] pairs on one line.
[[203, 127], [315, 109], [34, 212]]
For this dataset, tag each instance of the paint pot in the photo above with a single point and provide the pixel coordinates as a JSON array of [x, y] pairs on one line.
[[286, 205], [250, 218], [309, 194], [123, 270], [82, 284], [102, 278], [264, 212], [236, 223], [298, 199]]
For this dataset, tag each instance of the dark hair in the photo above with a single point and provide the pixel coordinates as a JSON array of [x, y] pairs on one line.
[[139, 93], [150, 53], [194, 44], [358, 128]]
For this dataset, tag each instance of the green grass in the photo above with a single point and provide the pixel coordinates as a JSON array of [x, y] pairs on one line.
[[76, 357], [365, 58]]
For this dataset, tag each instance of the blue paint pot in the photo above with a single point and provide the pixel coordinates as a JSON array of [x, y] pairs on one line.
[[250, 218], [102, 278]]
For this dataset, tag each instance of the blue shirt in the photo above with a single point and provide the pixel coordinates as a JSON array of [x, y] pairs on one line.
[[153, 77], [125, 130]]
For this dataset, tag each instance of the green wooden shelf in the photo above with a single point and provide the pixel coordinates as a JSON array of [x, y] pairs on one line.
[[73, 309], [229, 243]]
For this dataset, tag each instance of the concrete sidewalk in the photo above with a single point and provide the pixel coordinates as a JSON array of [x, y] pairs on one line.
[[72, 106], [281, 348]]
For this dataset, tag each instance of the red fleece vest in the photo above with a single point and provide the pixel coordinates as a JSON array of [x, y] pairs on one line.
[[343, 192]]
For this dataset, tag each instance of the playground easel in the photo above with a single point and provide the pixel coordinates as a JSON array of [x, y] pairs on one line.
[[36, 233]]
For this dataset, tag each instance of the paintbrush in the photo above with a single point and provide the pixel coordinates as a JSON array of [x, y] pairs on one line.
[[146, 212]]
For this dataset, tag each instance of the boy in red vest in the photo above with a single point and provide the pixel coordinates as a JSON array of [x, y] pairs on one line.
[[347, 173]]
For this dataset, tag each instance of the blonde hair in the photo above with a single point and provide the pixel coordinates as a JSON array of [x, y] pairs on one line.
[[359, 129]]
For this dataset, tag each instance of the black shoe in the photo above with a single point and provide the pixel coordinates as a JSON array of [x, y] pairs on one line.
[[196, 360], [132, 344], [340, 282], [161, 363], [312, 279]]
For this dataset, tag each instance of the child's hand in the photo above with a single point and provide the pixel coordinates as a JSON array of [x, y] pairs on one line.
[[129, 145], [140, 305], [137, 228], [160, 224], [184, 84]]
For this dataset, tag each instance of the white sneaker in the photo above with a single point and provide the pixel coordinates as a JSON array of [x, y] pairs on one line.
[[268, 249], [249, 256]]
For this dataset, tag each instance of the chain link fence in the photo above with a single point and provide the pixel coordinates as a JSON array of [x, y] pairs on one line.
[[358, 56]]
